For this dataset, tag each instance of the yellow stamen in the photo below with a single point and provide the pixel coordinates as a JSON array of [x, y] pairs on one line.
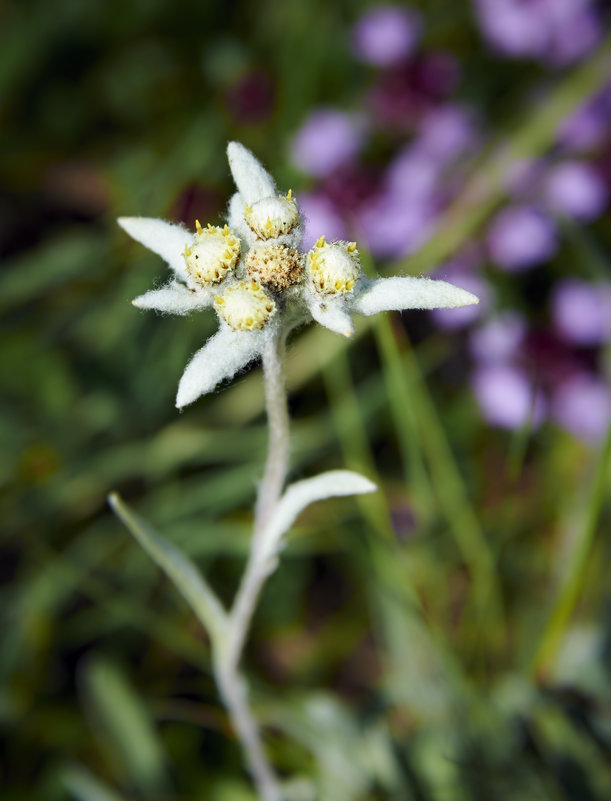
[[321, 242], [198, 227], [351, 247]]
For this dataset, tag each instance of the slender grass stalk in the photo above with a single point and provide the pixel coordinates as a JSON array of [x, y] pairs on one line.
[[570, 591]]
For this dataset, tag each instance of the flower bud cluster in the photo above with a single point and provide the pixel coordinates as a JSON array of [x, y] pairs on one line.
[[272, 217], [213, 255], [248, 287], [333, 268], [245, 306]]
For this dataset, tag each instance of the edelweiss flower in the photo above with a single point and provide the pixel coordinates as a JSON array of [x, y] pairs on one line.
[[259, 281]]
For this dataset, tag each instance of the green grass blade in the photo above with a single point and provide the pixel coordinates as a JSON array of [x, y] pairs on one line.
[[177, 566], [570, 591]]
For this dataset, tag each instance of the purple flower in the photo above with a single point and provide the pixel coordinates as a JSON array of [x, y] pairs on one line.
[[446, 132], [582, 405], [581, 312], [386, 35], [587, 127], [327, 140], [413, 175], [498, 339], [506, 397], [321, 217], [557, 32], [575, 188], [513, 28], [574, 38], [520, 237], [393, 225]]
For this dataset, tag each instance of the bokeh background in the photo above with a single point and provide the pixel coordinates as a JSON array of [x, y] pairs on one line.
[[445, 639]]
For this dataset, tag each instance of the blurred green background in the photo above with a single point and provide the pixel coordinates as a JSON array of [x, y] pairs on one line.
[[445, 639]]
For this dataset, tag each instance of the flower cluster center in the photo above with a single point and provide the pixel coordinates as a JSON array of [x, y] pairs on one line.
[[274, 266]]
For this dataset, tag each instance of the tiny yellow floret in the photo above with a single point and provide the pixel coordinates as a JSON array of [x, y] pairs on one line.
[[333, 268], [245, 306], [212, 255], [272, 217]]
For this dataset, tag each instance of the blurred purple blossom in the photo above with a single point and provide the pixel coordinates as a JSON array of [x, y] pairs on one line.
[[521, 237], [506, 396], [386, 34], [327, 140], [582, 405], [321, 217], [587, 127], [581, 312], [574, 188], [393, 225], [512, 27], [498, 339], [556, 32], [414, 175], [446, 132]]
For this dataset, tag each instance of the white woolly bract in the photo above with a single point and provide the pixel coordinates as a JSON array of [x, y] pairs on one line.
[[333, 484], [174, 298], [221, 357], [388, 294], [251, 178], [331, 313], [164, 238]]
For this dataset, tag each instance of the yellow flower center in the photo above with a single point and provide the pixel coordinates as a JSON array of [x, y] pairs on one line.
[[245, 306], [273, 216], [214, 253], [333, 268]]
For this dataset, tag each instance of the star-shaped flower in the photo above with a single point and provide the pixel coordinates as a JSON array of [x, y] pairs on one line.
[[259, 281]]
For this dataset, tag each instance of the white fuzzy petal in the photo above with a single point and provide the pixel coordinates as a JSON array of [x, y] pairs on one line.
[[174, 298], [252, 179], [301, 494], [386, 294], [164, 238], [221, 357], [330, 312]]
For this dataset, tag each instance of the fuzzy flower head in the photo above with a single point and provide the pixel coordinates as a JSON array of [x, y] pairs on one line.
[[255, 275]]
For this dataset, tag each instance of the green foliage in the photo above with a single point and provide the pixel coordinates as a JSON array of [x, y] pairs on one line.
[[444, 639]]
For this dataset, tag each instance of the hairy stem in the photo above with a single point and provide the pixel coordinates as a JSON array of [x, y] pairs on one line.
[[231, 684], [234, 693], [277, 463]]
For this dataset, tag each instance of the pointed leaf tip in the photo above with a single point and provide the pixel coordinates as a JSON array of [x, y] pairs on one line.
[[177, 566]]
